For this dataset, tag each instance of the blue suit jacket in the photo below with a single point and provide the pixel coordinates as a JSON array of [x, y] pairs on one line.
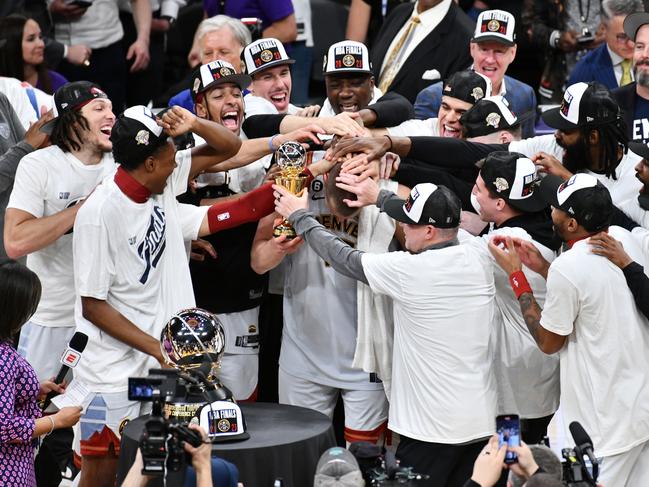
[[520, 96], [595, 66]]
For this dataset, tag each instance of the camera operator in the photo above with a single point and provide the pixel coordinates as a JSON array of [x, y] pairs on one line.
[[202, 463]]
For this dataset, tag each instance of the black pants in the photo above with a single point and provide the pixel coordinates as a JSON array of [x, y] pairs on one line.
[[107, 69], [447, 465]]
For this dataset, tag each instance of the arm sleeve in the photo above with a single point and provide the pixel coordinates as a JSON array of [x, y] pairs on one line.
[[392, 109], [262, 125], [622, 220], [638, 283], [54, 52], [448, 152], [12, 427], [9, 164], [344, 259]]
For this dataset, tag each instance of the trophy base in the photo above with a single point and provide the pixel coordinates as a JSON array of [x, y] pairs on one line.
[[286, 229]]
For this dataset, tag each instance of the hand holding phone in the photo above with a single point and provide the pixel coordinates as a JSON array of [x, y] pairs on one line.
[[508, 429]]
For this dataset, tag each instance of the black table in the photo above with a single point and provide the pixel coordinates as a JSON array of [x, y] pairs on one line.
[[285, 441]]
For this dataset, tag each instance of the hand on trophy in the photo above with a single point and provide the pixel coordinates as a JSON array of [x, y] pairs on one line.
[[286, 202]]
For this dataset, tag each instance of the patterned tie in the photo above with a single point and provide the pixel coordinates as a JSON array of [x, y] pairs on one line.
[[626, 72], [390, 71]]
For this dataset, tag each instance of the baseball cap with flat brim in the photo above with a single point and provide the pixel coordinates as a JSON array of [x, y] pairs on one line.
[[217, 73], [582, 197], [263, 54], [633, 22], [427, 204], [72, 97], [497, 26], [347, 57], [583, 104]]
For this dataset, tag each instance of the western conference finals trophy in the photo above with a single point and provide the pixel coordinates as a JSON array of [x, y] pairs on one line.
[[291, 159]]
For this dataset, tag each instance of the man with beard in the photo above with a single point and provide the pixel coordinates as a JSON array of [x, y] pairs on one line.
[[634, 97], [589, 315], [590, 137]]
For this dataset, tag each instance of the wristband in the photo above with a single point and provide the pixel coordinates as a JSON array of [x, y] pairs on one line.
[[519, 284], [271, 146]]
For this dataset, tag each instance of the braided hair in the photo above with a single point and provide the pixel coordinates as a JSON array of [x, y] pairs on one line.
[[67, 131]]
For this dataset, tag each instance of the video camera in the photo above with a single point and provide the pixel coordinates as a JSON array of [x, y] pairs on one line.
[[162, 440], [380, 468], [575, 470]]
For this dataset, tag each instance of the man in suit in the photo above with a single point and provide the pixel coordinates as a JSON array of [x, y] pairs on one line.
[[419, 44], [493, 49], [610, 63], [633, 98]]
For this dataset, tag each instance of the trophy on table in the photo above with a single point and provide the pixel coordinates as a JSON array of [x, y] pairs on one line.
[[291, 159]]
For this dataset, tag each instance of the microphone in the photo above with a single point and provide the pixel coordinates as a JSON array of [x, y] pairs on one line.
[[69, 360], [584, 445]]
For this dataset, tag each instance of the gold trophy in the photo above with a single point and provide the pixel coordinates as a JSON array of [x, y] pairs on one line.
[[291, 159]]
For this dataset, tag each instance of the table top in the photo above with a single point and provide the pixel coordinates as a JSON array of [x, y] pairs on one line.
[[269, 425]]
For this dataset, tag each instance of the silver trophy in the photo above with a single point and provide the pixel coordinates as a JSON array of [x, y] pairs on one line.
[[291, 159], [192, 338]]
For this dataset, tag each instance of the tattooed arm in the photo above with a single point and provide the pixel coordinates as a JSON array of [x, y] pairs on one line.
[[518, 250]]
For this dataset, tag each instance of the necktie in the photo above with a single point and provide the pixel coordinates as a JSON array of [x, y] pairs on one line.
[[626, 72], [393, 61]]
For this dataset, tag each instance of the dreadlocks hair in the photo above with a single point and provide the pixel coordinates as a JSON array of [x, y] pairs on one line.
[[612, 137], [67, 131]]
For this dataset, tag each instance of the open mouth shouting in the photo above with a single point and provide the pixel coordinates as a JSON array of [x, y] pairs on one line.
[[280, 100], [231, 119]]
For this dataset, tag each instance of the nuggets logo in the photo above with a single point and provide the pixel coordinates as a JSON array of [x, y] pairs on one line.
[[252, 329], [477, 93], [501, 184], [493, 25], [223, 425], [225, 72], [348, 61], [266, 56], [122, 425]]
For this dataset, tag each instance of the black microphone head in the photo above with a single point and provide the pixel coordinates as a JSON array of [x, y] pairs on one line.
[[579, 435], [78, 341]]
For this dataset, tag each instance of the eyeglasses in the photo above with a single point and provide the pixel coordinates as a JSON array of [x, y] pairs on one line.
[[622, 38]]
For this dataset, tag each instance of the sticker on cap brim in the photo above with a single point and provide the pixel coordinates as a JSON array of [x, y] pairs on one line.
[[493, 120], [266, 56], [142, 137], [501, 184]]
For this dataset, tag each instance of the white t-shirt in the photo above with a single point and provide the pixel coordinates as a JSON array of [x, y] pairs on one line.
[[132, 255], [527, 379], [414, 128], [16, 91], [443, 388], [47, 182], [604, 363]]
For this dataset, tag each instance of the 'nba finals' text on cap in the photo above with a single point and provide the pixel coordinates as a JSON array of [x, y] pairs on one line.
[[347, 57], [488, 115], [582, 197], [136, 135], [427, 204], [467, 86], [72, 97], [513, 177], [216, 73], [495, 25], [633, 22], [583, 104], [263, 54]]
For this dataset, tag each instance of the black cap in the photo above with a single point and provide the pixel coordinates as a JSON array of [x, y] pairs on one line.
[[427, 204], [582, 197], [136, 135], [467, 86], [640, 148], [633, 22], [72, 97], [217, 73], [513, 177], [583, 104], [487, 116]]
